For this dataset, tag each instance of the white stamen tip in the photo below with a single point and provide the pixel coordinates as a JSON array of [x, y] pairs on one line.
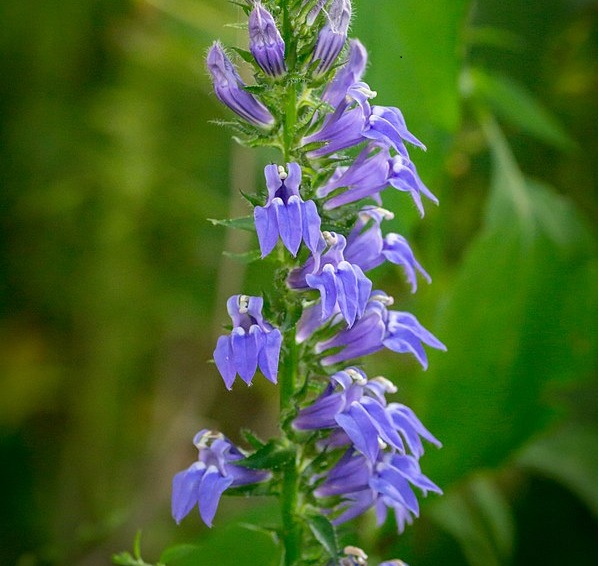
[[329, 238], [244, 303], [356, 376], [388, 386], [358, 554], [282, 172], [384, 299]]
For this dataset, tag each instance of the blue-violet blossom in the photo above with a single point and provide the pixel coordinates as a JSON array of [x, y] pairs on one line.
[[229, 89], [266, 44], [377, 329], [343, 286], [367, 247], [384, 484], [355, 409], [204, 482], [253, 343], [285, 214], [332, 36]]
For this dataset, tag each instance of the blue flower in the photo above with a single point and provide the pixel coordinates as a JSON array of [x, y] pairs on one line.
[[343, 286], [204, 482], [367, 247], [380, 328], [285, 214], [266, 44], [230, 89], [347, 75], [252, 343], [355, 409], [372, 171], [332, 36], [384, 484]]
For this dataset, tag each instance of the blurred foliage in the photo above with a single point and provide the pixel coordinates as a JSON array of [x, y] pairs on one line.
[[112, 281]]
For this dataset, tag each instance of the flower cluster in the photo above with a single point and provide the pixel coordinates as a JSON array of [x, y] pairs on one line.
[[310, 102], [383, 447]]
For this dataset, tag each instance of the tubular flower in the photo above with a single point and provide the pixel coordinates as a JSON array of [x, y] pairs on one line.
[[332, 36], [266, 44], [343, 286], [356, 411], [384, 484], [285, 214], [347, 75], [380, 328], [252, 343], [372, 171], [204, 482], [367, 247], [229, 89]]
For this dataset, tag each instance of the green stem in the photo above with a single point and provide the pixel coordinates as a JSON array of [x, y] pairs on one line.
[[292, 534]]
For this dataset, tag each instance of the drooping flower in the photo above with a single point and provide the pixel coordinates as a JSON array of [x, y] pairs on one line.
[[285, 214], [332, 36], [342, 285], [367, 247], [371, 172], [377, 329], [356, 412], [229, 89], [204, 482], [347, 75], [253, 343], [384, 484], [266, 44]]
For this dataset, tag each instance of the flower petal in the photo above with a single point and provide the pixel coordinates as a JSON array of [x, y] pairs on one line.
[[223, 357], [211, 488], [265, 220], [268, 357]]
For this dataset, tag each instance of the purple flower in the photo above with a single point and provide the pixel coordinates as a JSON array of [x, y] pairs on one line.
[[354, 120], [266, 44], [367, 247], [384, 484], [286, 214], [344, 127], [314, 11], [349, 74], [372, 171], [366, 177], [343, 286], [377, 329], [252, 343], [204, 482], [356, 411], [332, 36], [229, 89]]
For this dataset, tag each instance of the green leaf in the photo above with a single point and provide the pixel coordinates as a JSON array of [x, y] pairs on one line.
[[231, 544], [567, 455], [244, 257], [478, 517], [252, 439], [516, 320], [272, 456], [241, 223], [324, 532], [516, 105]]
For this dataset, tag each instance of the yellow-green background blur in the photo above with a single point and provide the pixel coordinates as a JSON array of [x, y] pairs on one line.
[[113, 283]]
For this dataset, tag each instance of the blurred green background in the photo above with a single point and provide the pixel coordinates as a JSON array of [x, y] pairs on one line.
[[113, 283]]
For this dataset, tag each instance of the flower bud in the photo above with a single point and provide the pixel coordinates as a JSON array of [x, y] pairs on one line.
[[229, 89], [332, 36], [266, 44]]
